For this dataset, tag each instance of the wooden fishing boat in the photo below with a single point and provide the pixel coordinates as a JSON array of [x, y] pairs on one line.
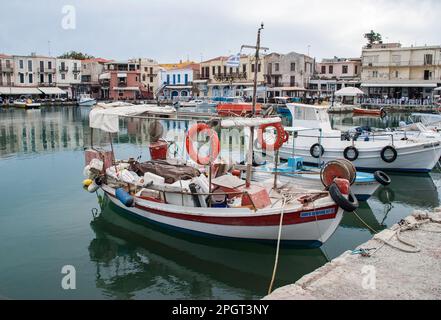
[[370, 112]]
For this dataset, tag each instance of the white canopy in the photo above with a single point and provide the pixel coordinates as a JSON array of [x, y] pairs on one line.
[[348, 92], [51, 90], [437, 89], [107, 119], [19, 91], [104, 76], [248, 122], [122, 75]]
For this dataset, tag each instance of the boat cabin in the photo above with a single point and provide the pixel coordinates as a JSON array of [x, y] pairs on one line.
[[305, 116]]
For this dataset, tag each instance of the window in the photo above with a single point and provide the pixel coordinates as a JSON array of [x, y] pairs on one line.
[[244, 68], [168, 79], [31, 80], [231, 70], [292, 81], [75, 76], [258, 67], [75, 66], [21, 78], [29, 65], [331, 69], [427, 75], [151, 79], [375, 74], [344, 69], [356, 70], [225, 69], [323, 69], [428, 59], [41, 66], [174, 79], [49, 78], [252, 68], [63, 76], [143, 77], [145, 69], [151, 70], [293, 66], [213, 70], [49, 65], [21, 64], [41, 78], [186, 78], [270, 68], [207, 72], [179, 78], [396, 74], [269, 80], [218, 69], [276, 67]]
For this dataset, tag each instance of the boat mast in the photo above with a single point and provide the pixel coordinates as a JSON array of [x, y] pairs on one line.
[[251, 142]]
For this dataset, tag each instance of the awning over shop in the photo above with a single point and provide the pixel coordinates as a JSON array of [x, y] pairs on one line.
[[104, 76], [51, 90], [179, 87], [126, 88], [399, 85], [348, 92], [286, 89], [19, 91], [122, 75]]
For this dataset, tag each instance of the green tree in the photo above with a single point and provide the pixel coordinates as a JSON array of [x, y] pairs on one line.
[[373, 37], [75, 55]]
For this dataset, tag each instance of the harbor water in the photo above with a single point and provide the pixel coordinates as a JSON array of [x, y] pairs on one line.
[[47, 221]]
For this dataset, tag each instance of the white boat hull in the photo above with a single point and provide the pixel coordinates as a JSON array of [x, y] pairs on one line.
[[411, 157], [308, 227], [90, 102]]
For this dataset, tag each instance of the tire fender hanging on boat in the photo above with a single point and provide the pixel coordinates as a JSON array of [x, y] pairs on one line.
[[312, 149], [348, 150], [394, 152], [382, 178], [349, 203]]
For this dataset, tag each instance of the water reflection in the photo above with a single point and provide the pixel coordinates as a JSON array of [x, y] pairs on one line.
[[133, 257]]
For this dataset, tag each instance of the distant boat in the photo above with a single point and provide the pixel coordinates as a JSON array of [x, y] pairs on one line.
[[237, 107], [27, 104], [86, 100], [197, 103], [371, 112]]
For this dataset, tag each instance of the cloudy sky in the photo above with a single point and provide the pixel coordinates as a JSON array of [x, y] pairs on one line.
[[169, 30]]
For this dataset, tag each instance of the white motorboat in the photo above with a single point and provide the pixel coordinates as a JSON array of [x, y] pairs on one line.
[[27, 103], [318, 143], [86, 100], [196, 103]]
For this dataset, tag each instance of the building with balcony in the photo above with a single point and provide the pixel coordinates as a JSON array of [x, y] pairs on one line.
[[177, 83], [149, 69], [6, 70], [288, 74], [91, 69], [68, 76], [121, 80], [220, 80], [333, 74], [395, 72]]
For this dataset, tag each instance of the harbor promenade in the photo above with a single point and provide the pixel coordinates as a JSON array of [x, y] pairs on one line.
[[402, 262]]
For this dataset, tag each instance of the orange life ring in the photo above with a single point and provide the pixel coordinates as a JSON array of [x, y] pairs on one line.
[[282, 136], [192, 136]]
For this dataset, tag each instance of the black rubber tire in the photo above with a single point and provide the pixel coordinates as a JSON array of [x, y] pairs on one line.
[[395, 156], [350, 204], [347, 150], [311, 150], [382, 178], [386, 195]]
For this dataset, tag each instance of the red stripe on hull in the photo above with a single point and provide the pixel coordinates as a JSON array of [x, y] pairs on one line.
[[258, 221]]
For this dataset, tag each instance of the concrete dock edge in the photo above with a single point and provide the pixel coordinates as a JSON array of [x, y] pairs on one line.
[[388, 274]]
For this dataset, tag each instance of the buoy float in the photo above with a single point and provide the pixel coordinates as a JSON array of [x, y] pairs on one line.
[[282, 136], [87, 182], [192, 136]]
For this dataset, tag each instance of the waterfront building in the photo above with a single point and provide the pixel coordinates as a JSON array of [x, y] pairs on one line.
[[91, 69], [391, 71], [68, 76], [288, 74], [333, 74], [149, 77], [121, 80], [176, 81], [220, 80], [34, 71], [7, 78]]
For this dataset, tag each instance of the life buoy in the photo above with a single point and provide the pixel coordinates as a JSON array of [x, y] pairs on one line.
[[347, 154], [192, 136], [349, 204], [382, 178], [282, 136], [313, 149], [394, 154]]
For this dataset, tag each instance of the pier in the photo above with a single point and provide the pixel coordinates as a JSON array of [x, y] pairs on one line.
[[402, 262]]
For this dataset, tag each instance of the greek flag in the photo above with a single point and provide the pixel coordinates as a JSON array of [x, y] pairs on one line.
[[233, 61]]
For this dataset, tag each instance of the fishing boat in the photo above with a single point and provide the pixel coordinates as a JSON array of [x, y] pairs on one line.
[[197, 103], [26, 103], [314, 139], [86, 100], [370, 112], [214, 206], [237, 107]]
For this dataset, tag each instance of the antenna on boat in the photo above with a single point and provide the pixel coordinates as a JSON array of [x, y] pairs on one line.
[[257, 47]]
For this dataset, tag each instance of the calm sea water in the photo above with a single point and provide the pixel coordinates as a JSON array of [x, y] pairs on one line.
[[46, 223]]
